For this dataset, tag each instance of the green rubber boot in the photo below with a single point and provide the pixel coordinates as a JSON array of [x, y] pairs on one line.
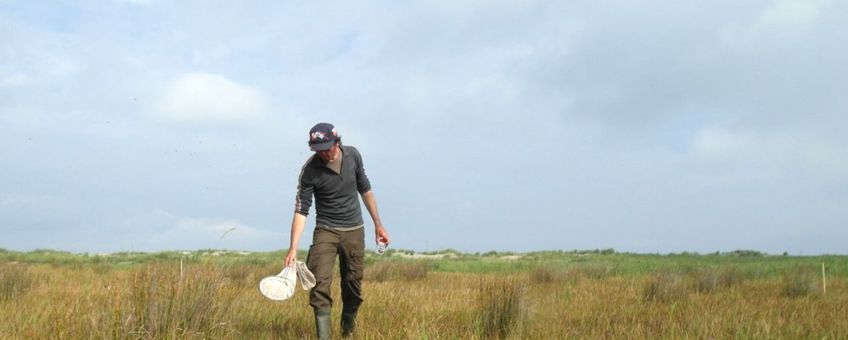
[[348, 324], [322, 324]]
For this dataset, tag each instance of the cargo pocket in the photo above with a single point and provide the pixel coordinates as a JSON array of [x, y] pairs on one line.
[[355, 265], [320, 261]]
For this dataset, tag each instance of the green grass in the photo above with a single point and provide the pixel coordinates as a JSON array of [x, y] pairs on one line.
[[745, 263]]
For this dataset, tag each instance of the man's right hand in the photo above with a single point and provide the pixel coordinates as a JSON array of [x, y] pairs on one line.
[[291, 257]]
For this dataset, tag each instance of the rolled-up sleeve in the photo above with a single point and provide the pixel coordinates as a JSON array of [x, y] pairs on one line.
[[362, 183], [303, 200]]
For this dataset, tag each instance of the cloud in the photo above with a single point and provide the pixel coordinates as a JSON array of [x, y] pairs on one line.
[[673, 119], [798, 14], [202, 98], [785, 21], [790, 152]]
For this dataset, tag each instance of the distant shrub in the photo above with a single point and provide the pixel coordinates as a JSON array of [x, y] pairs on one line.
[[665, 287], [15, 280], [800, 282], [500, 308], [746, 253], [393, 270], [497, 253]]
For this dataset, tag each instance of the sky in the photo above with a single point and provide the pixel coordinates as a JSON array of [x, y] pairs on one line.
[[643, 126]]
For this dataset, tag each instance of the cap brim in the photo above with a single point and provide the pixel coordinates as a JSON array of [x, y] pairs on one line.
[[322, 146]]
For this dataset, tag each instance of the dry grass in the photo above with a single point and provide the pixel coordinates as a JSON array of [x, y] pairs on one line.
[[708, 280], [800, 282], [545, 274], [214, 302], [666, 287], [500, 307], [15, 280]]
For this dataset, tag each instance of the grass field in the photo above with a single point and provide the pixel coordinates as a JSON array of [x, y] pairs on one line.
[[541, 295]]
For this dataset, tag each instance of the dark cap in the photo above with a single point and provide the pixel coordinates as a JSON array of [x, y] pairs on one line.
[[322, 136]]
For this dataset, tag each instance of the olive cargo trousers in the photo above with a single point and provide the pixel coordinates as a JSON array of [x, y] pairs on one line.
[[349, 246]]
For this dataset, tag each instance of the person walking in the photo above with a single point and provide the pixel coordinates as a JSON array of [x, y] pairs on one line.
[[334, 176]]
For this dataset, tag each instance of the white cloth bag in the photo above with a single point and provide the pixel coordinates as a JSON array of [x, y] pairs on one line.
[[282, 286]]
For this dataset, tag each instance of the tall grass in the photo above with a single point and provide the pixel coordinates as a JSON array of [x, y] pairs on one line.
[[15, 280], [801, 281], [666, 287], [710, 279], [499, 309], [162, 304], [643, 297]]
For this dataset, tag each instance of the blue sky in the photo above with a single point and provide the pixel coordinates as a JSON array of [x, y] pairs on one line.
[[643, 126]]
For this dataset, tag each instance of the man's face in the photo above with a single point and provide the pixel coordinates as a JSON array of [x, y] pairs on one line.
[[329, 154]]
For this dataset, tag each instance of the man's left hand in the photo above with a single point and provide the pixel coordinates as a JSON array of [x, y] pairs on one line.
[[382, 235]]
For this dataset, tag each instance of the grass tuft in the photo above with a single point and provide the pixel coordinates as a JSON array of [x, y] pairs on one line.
[[500, 308], [665, 287], [549, 274], [800, 282], [15, 280], [164, 305], [706, 280]]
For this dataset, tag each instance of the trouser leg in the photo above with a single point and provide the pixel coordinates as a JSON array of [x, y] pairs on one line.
[[320, 261], [351, 254]]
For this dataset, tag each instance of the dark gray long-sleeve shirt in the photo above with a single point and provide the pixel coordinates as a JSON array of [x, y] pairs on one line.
[[336, 194]]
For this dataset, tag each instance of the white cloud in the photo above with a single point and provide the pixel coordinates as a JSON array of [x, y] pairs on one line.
[[784, 21], [203, 98], [798, 14]]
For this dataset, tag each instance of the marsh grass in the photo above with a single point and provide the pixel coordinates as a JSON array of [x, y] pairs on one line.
[[546, 274], [142, 297], [15, 280], [730, 277], [500, 307], [666, 287], [706, 280], [396, 270], [162, 304], [593, 271], [709, 279], [801, 282]]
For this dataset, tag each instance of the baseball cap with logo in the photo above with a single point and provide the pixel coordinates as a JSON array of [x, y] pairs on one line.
[[322, 136]]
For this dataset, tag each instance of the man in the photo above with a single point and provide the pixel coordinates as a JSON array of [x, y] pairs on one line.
[[334, 175]]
